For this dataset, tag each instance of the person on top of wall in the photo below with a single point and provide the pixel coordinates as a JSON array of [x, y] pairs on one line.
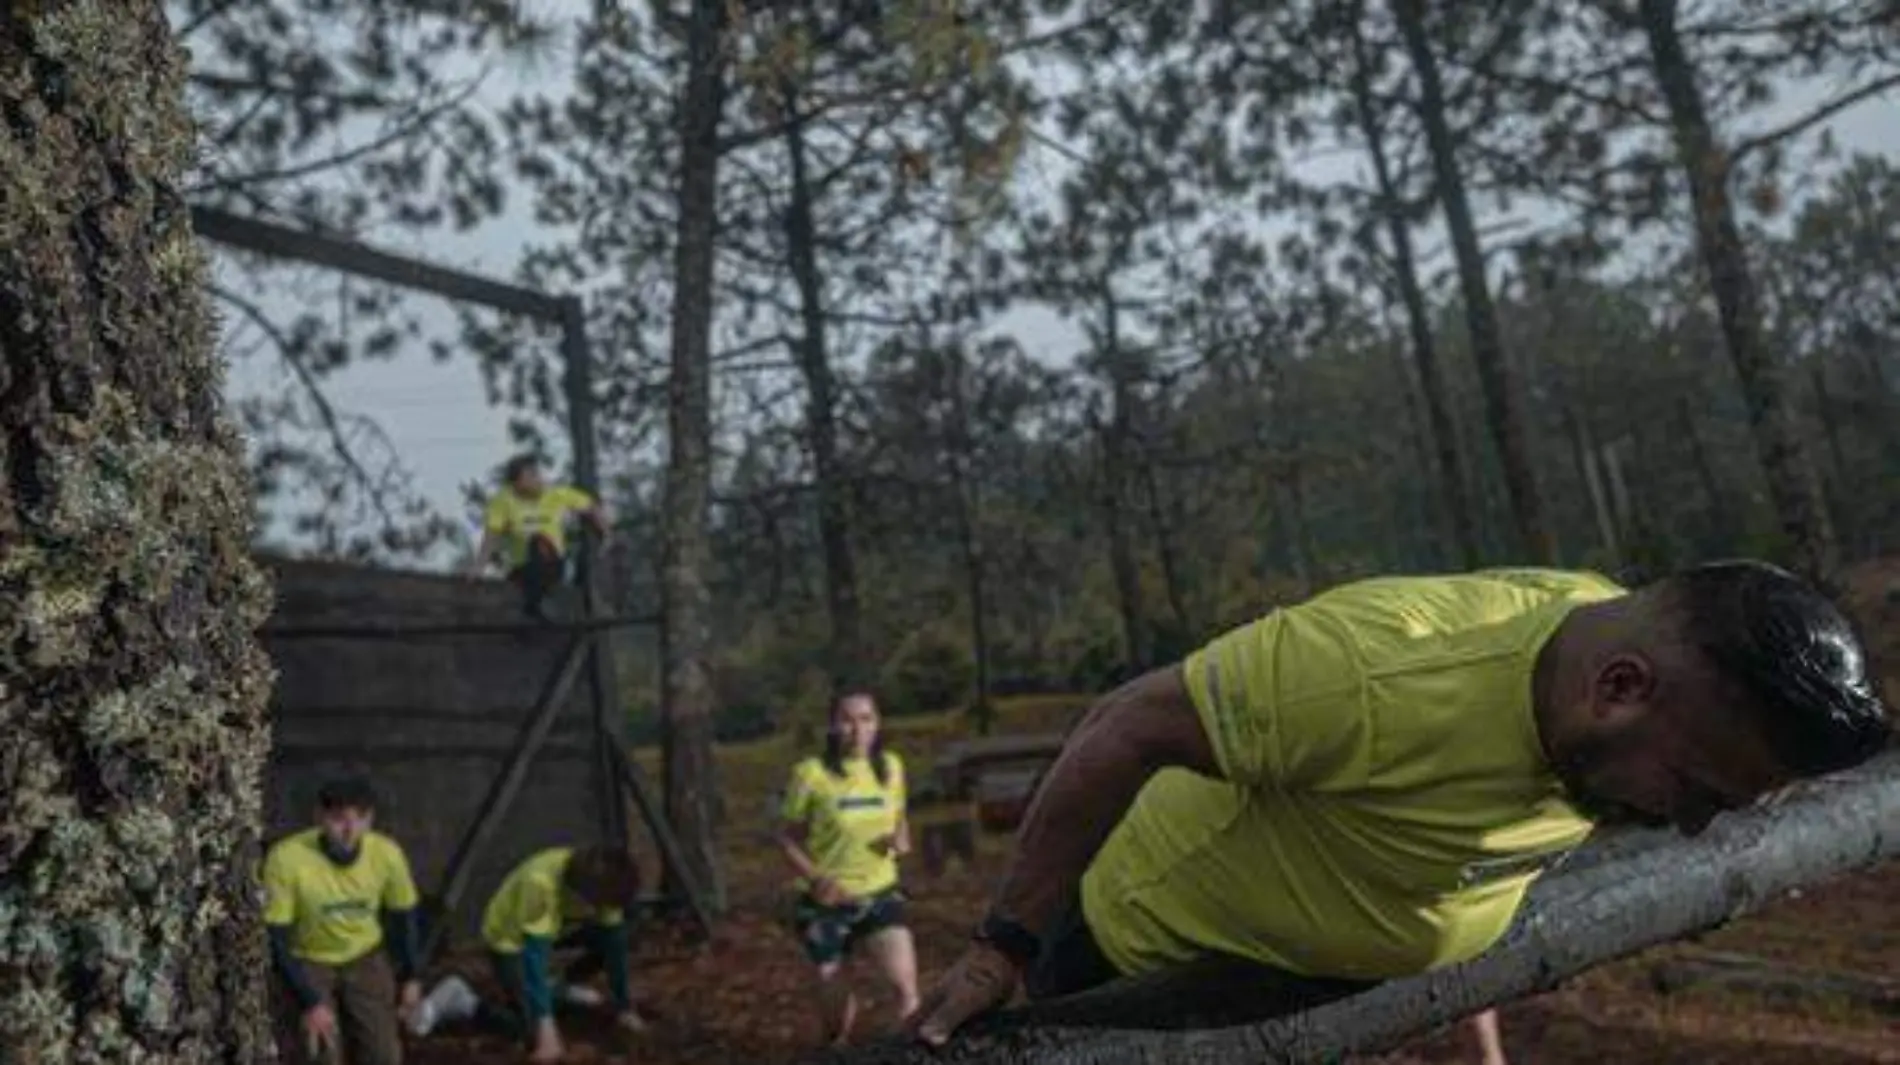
[[1363, 786], [843, 827], [558, 899], [527, 519], [335, 896]]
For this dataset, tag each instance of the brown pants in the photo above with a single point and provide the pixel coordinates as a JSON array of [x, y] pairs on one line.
[[363, 995]]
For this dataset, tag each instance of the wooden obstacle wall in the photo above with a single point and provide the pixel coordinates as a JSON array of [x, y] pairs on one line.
[[429, 718]]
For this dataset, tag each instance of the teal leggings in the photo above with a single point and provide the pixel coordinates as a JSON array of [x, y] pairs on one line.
[[525, 977]]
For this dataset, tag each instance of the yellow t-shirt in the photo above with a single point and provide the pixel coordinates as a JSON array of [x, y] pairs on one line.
[[517, 519], [844, 815], [334, 911], [1386, 802], [533, 902]]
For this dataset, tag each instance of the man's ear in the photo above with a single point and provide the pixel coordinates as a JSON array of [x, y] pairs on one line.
[[1625, 684]]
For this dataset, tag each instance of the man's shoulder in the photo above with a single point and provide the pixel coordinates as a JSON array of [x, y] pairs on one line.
[[292, 848], [383, 847], [1420, 603], [1409, 612], [1567, 583]]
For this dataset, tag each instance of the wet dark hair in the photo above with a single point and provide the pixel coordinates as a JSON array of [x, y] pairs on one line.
[[1794, 655], [604, 875], [347, 793], [517, 466], [834, 743]]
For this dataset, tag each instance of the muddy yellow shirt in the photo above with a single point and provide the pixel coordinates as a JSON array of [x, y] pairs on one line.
[[844, 816], [533, 901], [334, 912], [517, 519], [1386, 802]]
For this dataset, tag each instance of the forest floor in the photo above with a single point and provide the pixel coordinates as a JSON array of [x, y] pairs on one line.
[[744, 996]]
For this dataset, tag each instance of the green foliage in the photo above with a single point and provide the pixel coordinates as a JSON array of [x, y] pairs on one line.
[[1236, 415], [359, 117], [930, 669], [808, 712]]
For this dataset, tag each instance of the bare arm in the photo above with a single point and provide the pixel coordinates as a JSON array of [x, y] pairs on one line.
[[1131, 733], [900, 839]]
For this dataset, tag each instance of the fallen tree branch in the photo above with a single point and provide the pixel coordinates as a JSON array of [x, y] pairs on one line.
[[1637, 891]]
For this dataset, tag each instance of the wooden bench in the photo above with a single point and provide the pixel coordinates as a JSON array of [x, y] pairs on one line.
[[962, 762], [984, 783], [942, 827]]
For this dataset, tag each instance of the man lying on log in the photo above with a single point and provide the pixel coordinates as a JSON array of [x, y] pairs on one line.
[[1363, 786]]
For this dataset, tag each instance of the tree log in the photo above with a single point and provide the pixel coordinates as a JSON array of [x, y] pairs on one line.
[[1625, 893]]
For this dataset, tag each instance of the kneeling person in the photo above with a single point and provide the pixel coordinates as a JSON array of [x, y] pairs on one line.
[[559, 898], [335, 895]]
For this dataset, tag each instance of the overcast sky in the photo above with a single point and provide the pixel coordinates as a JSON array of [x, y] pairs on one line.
[[437, 416]]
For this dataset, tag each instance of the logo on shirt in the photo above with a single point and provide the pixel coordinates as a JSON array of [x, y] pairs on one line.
[[348, 909]]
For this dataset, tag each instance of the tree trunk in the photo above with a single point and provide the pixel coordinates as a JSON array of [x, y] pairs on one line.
[[847, 667], [1117, 456], [1503, 392], [1312, 572], [1165, 547], [133, 697], [1421, 545], [1716, 523], [1121, 548], [1838, 476], [1619, 895], [967, 488], [1875, 518], [1418, 318], [1792, 482], [685, 635], [1589, 471]]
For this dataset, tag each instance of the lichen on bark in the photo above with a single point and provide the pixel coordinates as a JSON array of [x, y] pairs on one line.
[[132, 690]]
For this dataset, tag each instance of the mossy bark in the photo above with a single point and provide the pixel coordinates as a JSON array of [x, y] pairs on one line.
[[132, 693], [686, 691]]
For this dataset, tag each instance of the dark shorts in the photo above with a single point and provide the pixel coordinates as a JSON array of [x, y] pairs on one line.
[[830, 932], [1071, 962], [540, 572], [1225, 990]]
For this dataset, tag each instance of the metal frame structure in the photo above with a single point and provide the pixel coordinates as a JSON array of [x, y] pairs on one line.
[[587, 649]]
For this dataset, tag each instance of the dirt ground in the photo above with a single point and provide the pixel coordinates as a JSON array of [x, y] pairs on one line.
[[744, 997]]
